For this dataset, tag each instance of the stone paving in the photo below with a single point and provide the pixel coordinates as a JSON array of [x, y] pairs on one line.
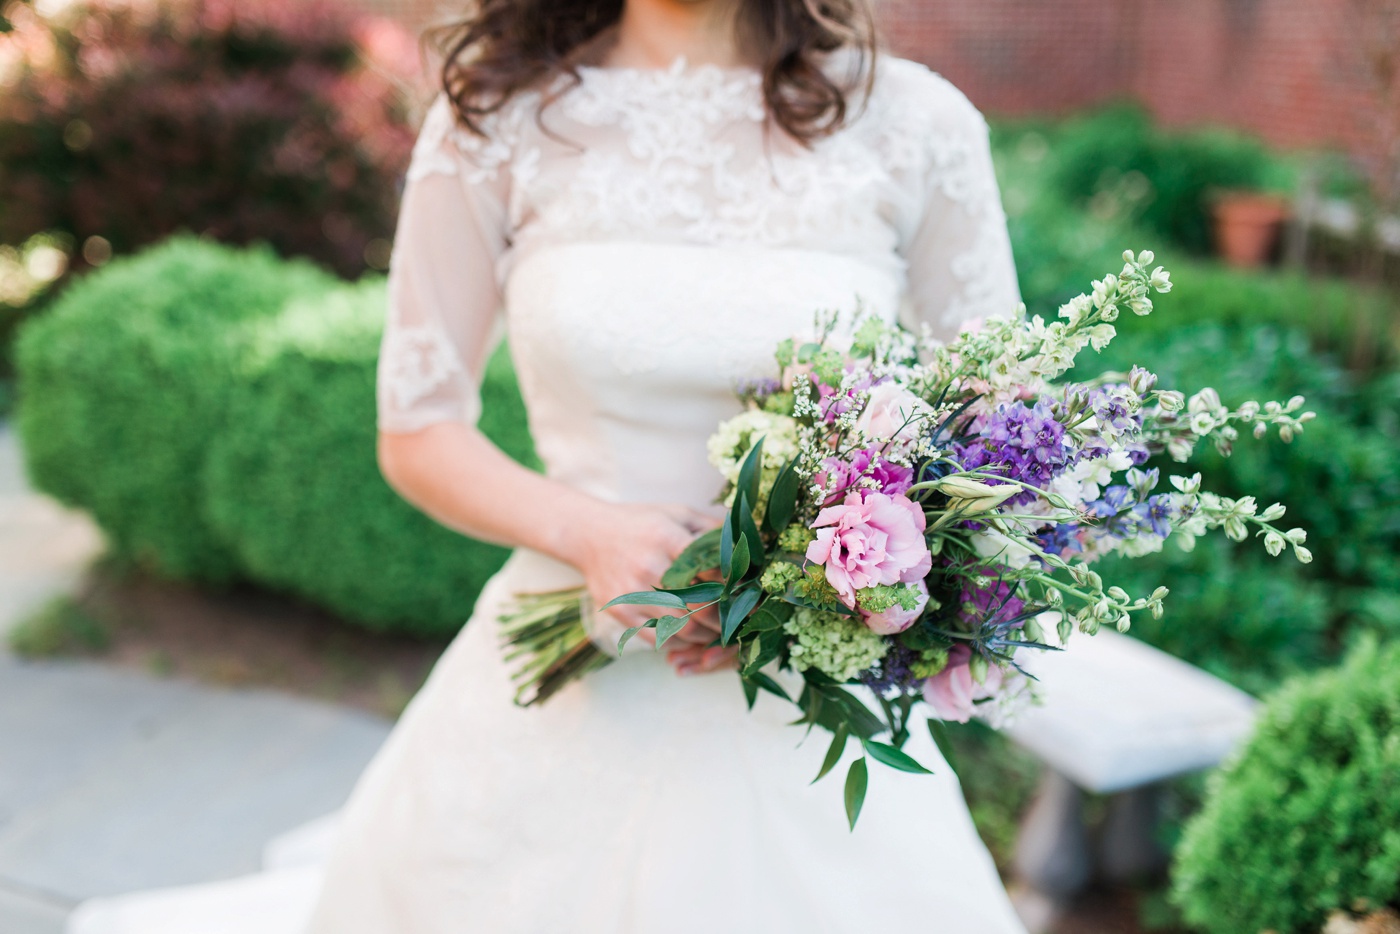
[[112, 781]]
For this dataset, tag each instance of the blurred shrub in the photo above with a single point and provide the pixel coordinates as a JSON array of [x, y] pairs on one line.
[[1307, 819], [1166, 177], [292, 484], [126, 380], [240, 119], [213, 409]]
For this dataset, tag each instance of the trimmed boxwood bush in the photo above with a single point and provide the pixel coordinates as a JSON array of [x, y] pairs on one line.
[[291, 482], [124, 384], [213, 409], [1307, 819]]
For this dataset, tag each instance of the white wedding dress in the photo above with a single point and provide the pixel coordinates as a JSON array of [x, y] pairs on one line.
[[645, 247]]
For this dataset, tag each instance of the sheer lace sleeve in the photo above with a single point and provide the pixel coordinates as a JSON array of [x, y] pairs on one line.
[[958, 252], [444, 297]]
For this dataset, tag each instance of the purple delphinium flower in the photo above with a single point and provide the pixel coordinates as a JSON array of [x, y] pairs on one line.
[[1060, 539], [1020, 443], [1155, 515]]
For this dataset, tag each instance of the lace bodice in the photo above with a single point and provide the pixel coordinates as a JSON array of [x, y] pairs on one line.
[[649, 239]]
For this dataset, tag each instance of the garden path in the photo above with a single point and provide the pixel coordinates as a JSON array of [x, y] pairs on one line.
[[111, 780]]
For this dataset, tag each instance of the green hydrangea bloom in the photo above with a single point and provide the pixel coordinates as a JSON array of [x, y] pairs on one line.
[[815, 588], [796, 538], [839, 646], [778, 575]]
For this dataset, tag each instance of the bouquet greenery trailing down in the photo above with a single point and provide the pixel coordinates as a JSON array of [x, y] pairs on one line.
[[905, 516]]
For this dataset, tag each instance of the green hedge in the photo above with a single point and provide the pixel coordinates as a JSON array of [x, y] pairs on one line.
[[292, 482], [1307, 819], [213, 409], [124, 384]]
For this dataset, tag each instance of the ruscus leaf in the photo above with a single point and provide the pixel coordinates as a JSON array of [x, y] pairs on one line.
[[857, 778]]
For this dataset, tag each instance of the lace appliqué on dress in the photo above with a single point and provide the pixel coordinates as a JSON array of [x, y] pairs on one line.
[[415, 362]]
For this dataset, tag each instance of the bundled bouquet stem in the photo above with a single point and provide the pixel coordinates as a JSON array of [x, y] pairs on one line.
[[905, 516]]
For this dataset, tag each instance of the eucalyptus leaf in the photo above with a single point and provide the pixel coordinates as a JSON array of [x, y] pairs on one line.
[[894, 758], [649, 598], [857, 778], [833, 754]]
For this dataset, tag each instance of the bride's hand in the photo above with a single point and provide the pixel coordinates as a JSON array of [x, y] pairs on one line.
[[625, 548]]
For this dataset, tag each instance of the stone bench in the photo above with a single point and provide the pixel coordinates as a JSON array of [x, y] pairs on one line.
[[1119, 718]]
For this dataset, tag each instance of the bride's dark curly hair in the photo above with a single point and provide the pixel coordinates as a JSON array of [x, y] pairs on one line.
[[506, 46]]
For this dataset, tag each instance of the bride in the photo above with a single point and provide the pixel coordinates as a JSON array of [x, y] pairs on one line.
[[647, 195]]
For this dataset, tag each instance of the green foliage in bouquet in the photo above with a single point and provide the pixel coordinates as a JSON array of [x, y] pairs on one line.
[[126, 382], [213, 409], [291, 481], [1307, 819]]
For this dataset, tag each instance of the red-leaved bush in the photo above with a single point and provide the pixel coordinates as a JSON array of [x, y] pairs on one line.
[[285, 121]]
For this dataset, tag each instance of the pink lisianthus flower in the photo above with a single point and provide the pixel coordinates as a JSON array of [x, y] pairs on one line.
[[953, 692], [897, 618], [868, 540]]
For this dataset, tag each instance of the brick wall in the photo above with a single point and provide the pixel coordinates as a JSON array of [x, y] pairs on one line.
[[1296, 72]]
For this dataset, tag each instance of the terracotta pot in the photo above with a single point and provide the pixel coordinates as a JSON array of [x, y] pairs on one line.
[[1247, 225]]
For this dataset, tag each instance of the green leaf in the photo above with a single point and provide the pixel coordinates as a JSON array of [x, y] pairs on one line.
[[939, 731], [627, 636], [833, 754], [668, 626], [768, 619], [769, 685], [700, 555], [739, 563], [857, 778], [894, 758], [737, 611], [726, 545], [649, 598], [747, 528], [750, 474], [750, 691], [782, 500], [708, 592]]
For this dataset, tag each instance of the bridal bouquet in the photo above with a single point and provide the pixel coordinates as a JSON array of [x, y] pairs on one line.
[[910, 516]]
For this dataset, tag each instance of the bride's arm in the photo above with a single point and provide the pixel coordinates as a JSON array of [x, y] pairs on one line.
[[957, 248], [453, 473], [444, 309]]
